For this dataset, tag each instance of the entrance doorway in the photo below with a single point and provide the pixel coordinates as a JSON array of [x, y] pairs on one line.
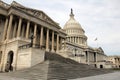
[[9, 66], [101, 66], [95, 66]]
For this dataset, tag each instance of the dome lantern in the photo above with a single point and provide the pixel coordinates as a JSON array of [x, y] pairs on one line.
[[71, 14]]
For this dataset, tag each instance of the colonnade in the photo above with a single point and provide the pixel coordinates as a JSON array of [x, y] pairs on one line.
[[117, 60], [77, 40], [15, 27], [91, 56]]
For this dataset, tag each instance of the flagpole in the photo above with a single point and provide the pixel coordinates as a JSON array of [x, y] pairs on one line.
[[97, 43], [96, 40]]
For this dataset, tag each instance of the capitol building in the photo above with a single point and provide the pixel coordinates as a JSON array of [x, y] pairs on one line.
[[26, 34], [75, 46]]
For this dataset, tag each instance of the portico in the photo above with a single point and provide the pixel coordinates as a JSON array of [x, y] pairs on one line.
[[17, 24], [23, 28]]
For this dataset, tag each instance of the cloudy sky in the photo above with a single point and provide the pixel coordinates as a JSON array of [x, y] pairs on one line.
[[99, 18]]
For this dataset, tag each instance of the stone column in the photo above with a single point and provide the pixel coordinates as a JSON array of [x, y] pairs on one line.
[[23, 30], [70, 39], [52, 41], [47, 40], [64, 43], [75, 39], [78, 40], [9, 26], [27, 31], [5, 29], [87, 56], [117, 60], [96, 56], [19, 27], [84, 41], [35, 32], [57, 43], [60, 42], [81, 40], [41, 36], [15, 30]]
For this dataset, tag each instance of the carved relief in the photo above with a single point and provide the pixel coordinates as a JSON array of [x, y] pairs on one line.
[[4, 4]]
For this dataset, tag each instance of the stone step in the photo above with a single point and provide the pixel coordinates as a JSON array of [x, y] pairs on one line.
[[56, 67], [63, 68]]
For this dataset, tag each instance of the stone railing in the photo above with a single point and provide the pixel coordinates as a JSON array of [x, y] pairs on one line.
[[31, 46], [76, 55]]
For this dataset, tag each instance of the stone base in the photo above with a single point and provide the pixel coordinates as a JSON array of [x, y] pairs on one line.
[[29, 57]]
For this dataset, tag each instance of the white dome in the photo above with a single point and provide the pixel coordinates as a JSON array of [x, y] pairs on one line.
[[75, 33], [72, 26], [72, 23]]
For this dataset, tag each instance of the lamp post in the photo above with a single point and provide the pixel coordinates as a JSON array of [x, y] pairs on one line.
[[75, 52]]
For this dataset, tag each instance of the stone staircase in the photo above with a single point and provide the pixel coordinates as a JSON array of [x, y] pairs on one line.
[[55, 67], [37, 72], [64, 68]]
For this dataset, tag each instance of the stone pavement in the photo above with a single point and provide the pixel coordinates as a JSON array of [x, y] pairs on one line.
[[109, 76], [10, 78]]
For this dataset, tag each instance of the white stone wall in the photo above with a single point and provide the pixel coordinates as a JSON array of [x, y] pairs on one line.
[[91, 57], [11, 45], [37, 56], [104, 65], [100, 57], [6, 48], [29, 57]]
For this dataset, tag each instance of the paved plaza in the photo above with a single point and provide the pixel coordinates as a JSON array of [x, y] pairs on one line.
[[110, 76]]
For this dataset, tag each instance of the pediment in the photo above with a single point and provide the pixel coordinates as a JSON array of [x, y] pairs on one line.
[[4, 5], [37, 13], [101, 49]]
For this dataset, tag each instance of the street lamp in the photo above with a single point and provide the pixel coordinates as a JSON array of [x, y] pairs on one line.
[[75, 52]]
